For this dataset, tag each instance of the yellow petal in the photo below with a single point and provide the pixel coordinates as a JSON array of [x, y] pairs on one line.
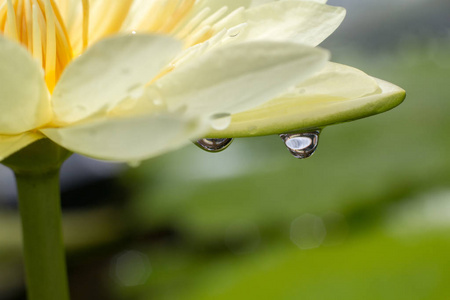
[[316, 109], [128, 139], [235, 78], [109, 72], [24, 103], [13, 143], [304, 22]]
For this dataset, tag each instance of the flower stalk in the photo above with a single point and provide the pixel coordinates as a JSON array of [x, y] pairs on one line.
[[44, 257], [36, 169]]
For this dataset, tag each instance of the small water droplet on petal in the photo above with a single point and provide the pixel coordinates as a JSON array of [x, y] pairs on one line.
[[252, 129], [301, 145], [213, 145], [136, 91], [236, 30], [221, 121]]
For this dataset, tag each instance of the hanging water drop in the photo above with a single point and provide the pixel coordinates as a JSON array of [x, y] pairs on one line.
[[213, 145], [301, 145]]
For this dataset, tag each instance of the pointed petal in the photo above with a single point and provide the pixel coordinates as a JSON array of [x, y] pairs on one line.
[[260, 2], [10, 144], [238, 77], [110, 71], [317, 104], [24, 103], [305, 22], [128, 139]]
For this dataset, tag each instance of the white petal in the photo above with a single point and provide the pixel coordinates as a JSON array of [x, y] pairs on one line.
[[110, 71], [286, 114], [260, 2], [128, 139], [24, 103], [10, 144], [303, 22], [335, 81], [238, 77], [231, 4]]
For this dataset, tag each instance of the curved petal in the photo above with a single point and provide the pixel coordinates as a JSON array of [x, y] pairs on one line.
[[336, 81], [110, 71], [128, 139], [238, 77], [261, 2], [290, 114], [10, 144], [305, 22], [24, 102]]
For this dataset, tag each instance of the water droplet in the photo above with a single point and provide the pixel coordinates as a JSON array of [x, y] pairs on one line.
[[134, 164], [252, 129], [220, 121], [308, 231], [136, 91], [213, 145], [158, 101], [153, 93], [301, 145], [233, 32], [81, 108], [236, 30], [131, 268]]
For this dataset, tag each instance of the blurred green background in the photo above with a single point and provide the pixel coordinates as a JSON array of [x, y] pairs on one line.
[[367, 217]]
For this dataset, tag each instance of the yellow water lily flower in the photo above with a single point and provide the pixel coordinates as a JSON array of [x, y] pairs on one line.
[[126, 80]]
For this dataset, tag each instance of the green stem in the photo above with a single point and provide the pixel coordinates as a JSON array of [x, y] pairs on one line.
[[40, 210]]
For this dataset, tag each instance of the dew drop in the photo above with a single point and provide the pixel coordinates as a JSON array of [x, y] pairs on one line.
[[301, 145], [252, 129], [136, 91], [220, 121], [154, 93], [213, 145], [134, 164], [234, 32], [158, 101]]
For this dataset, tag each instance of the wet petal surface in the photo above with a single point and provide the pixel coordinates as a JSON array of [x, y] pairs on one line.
[[128, 139], [316, 109], [238, 77], [111, 71]]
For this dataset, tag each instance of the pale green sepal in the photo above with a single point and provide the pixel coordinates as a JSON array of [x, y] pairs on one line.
[[10, 144], [24, 98], [128, 139], [239, 77], [40, 157], [112, 70], [305, 22], [286, 115]]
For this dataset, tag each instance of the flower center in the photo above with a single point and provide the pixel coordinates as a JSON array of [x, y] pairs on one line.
[[39, 26], [56, 31]]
